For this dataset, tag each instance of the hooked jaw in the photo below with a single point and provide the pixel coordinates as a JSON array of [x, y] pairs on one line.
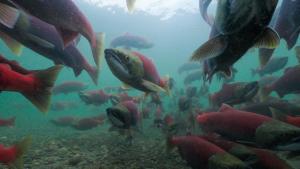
[[115, 116], [117, 62]]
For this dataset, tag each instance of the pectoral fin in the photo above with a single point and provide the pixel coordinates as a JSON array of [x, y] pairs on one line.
[[268, 40], [40, 41], [126, 86], [152, 87], [8, 15], [12, 44], [210, 49]]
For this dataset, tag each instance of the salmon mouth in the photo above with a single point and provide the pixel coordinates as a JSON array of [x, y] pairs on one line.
[[116, 117], [117, 63]]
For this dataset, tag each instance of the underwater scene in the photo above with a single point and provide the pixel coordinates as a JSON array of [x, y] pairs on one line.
[[149, 84]]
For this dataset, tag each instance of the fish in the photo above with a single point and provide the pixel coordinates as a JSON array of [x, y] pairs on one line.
[[15, 65], [192, 77], [203, 6], [297, 53], [246, 27], [288, 23], [136, 70], [189, 66], [286, 84], [200, 153], [67, 19], [274, 65], [88, 123], [253, 157], [64, 121], [69, 87], [262, 131], [121, 97], [94, 97], [45, 40], [262, 108], [130, 5], [36, 86], [12, 156], [234, 93], [63, 105], [8, 122], [266, 80], [264, 56], [124, 115], [286, 106], [129, 41], [279, 115]]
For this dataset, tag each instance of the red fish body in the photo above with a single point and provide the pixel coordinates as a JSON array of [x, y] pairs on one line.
[[136, 70], [63, 105], [64, 121], [12, 156], [34, 86], [7, 155], [66, 17], [150, 71], [14, 65], [233, 123], [200, 153], [7, 122], [251, 127], [287, 83], [87, 123], [96, 97], [43, 38], [69, 87], [234, 93], [131, 41], [124, 115], [255, 157]]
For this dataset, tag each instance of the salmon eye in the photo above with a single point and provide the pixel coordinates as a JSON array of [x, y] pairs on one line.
[[127, 58]]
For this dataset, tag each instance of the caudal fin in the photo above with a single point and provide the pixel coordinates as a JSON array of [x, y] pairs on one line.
[[98, 48], [41, 97], [130, 5], [93, 72], [22, 147]]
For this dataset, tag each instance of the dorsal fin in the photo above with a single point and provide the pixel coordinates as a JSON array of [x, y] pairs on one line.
[[225, 108]]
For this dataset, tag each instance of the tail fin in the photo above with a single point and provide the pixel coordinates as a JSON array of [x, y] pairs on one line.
[[98, 48], [100, 40], [22, 147], [93, 72], [41, 97], [130, 5]]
